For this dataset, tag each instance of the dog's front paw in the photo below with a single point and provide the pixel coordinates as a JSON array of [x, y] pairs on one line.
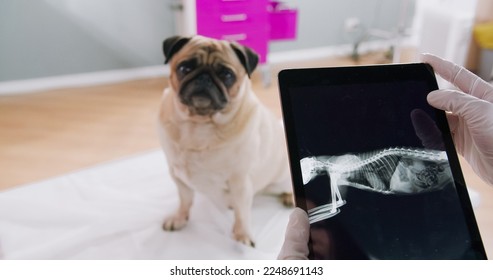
[[287, 199], [175, 222], [244, 238]]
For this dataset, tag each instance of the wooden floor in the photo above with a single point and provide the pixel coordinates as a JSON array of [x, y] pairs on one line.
[[47, 134]]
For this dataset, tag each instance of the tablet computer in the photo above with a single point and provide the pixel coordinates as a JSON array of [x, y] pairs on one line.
[[374, 164]]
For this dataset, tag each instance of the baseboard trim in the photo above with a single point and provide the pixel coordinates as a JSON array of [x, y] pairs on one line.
[[116, 76], [81, 80], [323, 52]]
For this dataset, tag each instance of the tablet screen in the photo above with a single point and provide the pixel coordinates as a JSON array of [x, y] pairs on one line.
[[374, 165]]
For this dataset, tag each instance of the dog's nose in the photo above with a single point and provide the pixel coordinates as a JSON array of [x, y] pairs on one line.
[[204, 79]]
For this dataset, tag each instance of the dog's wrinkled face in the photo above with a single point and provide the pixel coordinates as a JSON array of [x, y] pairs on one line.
[[206, 73]]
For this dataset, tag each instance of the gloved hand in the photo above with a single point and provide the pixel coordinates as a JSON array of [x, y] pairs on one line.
[[295, 245], [469, 113]]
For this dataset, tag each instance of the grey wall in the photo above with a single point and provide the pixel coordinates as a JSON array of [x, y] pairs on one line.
[[41, 38], [321, 22]]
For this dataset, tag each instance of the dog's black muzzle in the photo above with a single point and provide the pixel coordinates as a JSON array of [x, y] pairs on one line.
[[203, 94]]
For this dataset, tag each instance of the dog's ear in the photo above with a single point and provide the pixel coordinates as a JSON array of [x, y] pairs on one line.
[[249, 59], [172, 45]]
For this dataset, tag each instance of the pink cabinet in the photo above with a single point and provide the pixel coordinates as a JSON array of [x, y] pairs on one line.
[[283, 23], [249, 22]]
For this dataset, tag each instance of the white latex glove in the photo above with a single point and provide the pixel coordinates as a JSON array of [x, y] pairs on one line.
[[469, 113], [295, 245]]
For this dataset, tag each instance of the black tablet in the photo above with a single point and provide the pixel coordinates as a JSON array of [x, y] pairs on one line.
[[374, 165]]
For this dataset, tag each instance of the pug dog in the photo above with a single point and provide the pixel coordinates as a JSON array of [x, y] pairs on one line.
[[218, 138]]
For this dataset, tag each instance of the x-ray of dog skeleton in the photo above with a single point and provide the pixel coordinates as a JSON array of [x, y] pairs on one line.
[[392, 171]]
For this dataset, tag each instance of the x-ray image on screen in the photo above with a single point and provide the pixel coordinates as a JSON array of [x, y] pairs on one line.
[[392, 171]]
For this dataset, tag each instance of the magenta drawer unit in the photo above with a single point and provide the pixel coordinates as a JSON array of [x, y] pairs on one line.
[[283, 24], [247, 22], [232, 6], [243, 21]]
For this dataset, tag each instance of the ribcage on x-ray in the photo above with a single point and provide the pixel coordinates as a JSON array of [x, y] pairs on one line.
[[383, 170]]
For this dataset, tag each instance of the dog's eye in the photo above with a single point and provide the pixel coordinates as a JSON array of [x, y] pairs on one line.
[[186, 67], [227, 76]]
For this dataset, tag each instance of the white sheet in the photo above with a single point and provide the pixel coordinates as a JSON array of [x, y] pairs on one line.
[[115, 211]]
